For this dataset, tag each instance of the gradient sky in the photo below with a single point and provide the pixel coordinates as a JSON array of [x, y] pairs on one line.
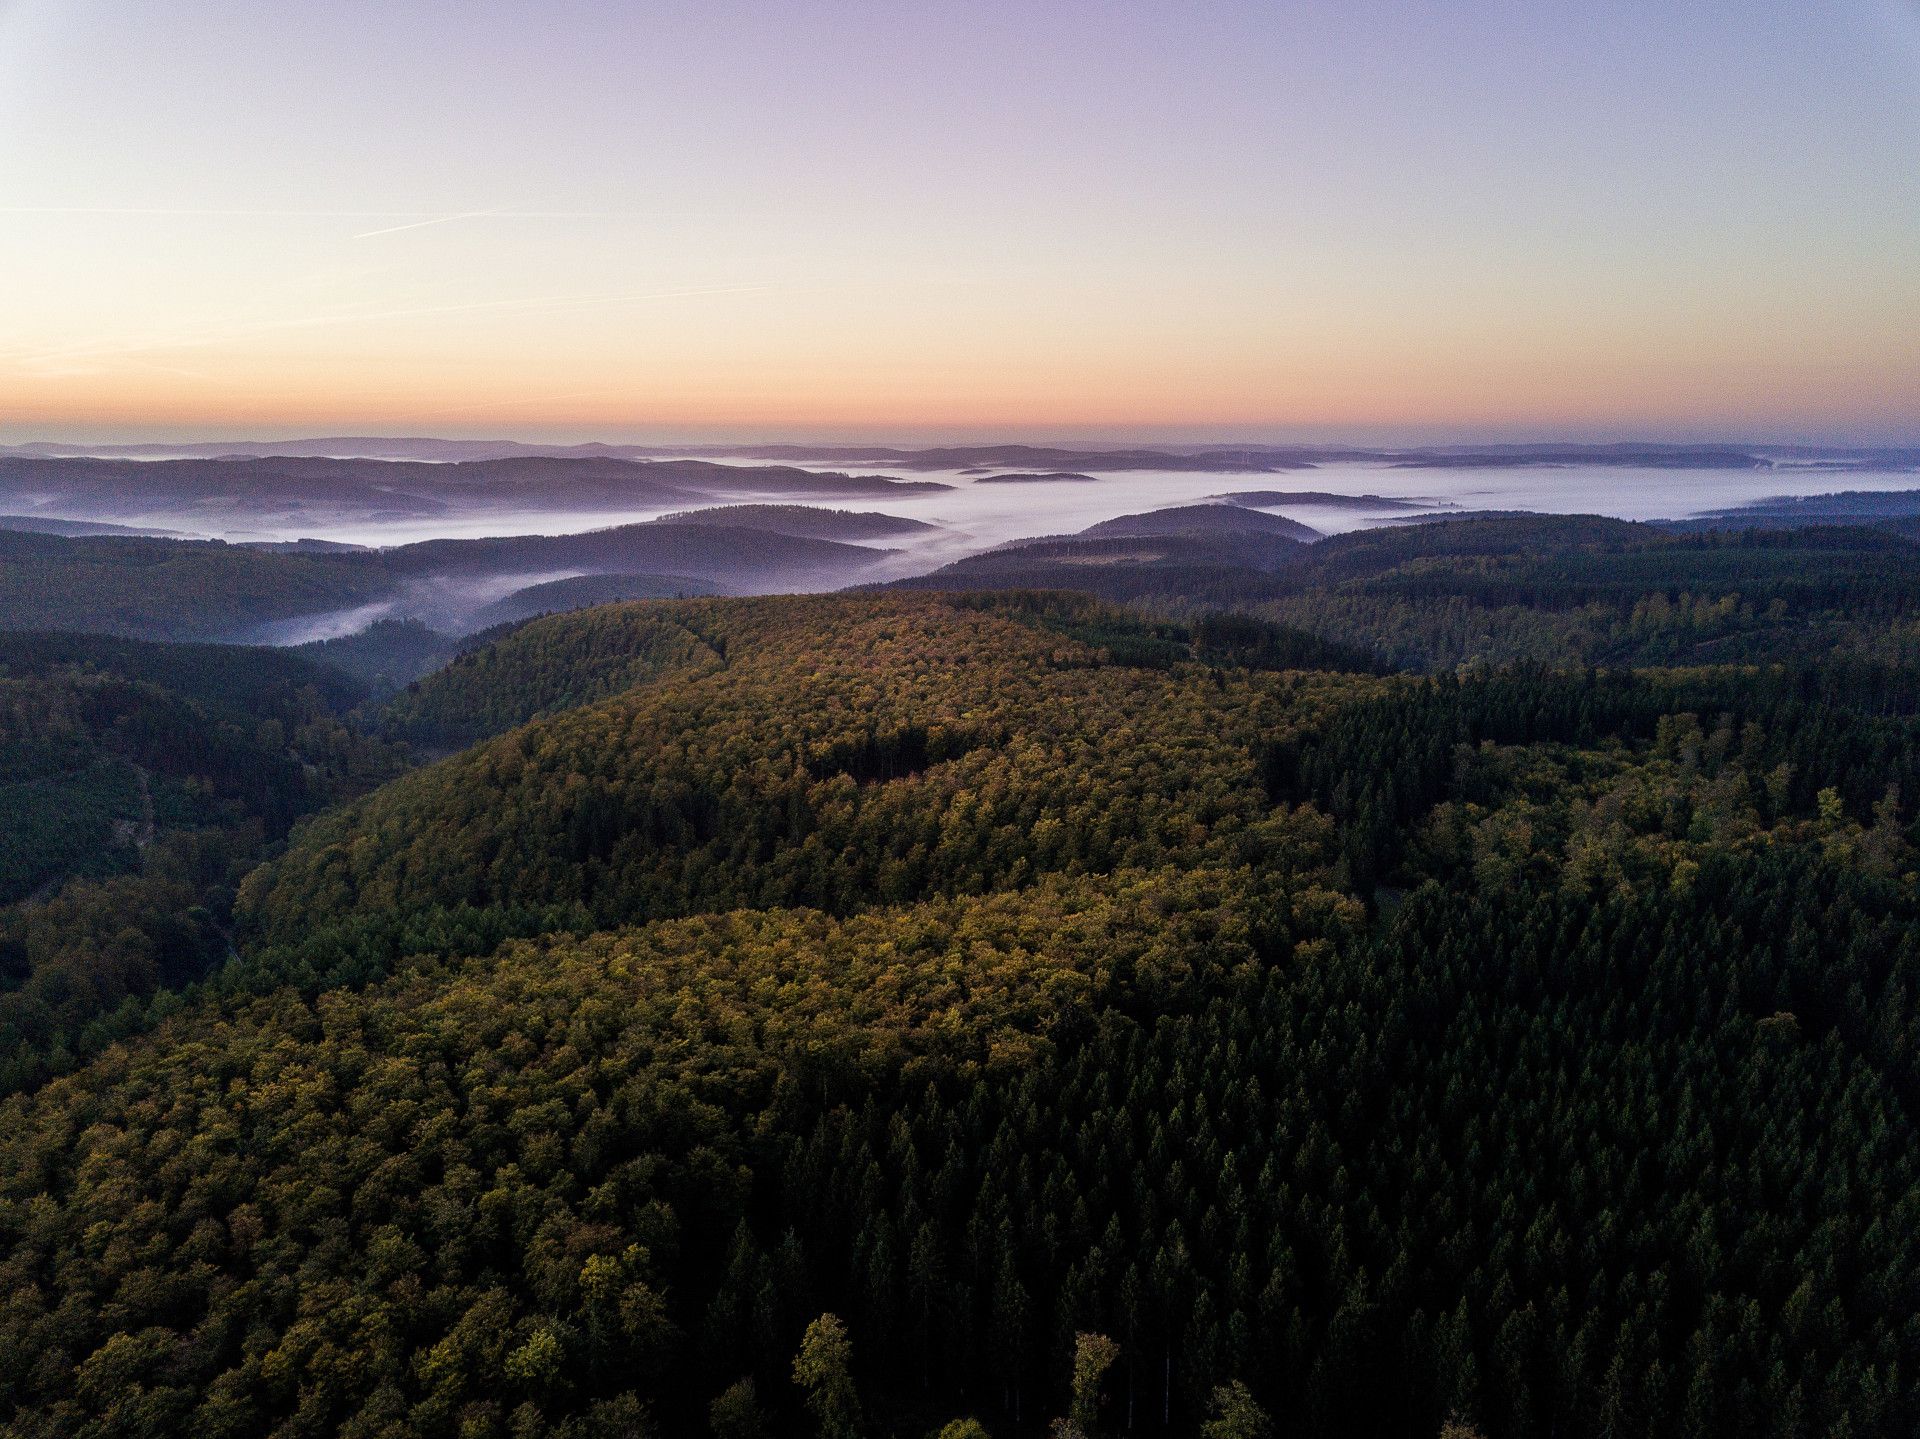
[[1416, 218]]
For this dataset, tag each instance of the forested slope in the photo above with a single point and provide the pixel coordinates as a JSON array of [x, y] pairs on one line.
[[169, 589], [1581, 590], [1501, 590], [829, 752], [138, 784], [201, 590], [548, 665], [1529, 1047]]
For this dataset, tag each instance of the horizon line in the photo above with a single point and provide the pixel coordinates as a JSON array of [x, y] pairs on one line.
[[933, 437]]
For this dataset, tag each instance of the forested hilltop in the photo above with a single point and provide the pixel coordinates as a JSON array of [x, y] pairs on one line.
[[909, 1013], [1509, 589]]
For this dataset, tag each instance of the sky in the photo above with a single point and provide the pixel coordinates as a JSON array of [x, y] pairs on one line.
[[1406, 219]]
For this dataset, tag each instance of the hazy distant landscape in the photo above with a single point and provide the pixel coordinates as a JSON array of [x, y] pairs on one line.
[[371, 491], [341, 535]]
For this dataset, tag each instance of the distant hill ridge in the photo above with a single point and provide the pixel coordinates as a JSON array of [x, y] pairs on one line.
[[1216, 455], [286, 490]]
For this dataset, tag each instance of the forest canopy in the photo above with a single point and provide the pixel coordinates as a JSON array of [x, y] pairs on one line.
[[922, 1013]]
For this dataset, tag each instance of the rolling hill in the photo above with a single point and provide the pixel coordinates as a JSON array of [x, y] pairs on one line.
[[805, 522], [582, 592], [1196, 520], [281, 490], [208, 590]]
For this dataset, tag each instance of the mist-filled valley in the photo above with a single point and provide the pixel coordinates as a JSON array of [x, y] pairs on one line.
[[324, 540]]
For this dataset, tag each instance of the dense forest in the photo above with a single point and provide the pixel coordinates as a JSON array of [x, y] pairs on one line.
[[1470, 987], [1501, 590], [139, 783], [209, 590]]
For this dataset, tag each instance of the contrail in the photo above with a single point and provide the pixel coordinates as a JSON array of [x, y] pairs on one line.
[[437, 220]]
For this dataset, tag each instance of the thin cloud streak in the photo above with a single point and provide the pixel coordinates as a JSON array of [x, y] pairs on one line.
[[432, 217], [71, 360], [436, 220]]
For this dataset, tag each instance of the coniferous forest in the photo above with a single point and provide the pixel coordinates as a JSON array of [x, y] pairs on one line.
[[1459, 991]]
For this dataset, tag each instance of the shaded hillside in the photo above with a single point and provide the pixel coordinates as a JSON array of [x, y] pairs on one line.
[[1501, 589], [737, 555], [1842, 508], [582, 591], [208, 590], [1639, 593], [226, 680], [1206, 519], [805, 521], [384, 656], [548, 665], [170, 589], [1210, 571], [1049, 478], [1214, 555], [1369, 552], [42, 525], [1322, 499], [138, 783], [1571, 590]]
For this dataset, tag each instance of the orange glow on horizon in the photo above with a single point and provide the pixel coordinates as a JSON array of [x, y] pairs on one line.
[[1484, 390]]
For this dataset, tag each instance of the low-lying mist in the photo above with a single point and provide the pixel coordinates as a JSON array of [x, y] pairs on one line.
[[469, 541]]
